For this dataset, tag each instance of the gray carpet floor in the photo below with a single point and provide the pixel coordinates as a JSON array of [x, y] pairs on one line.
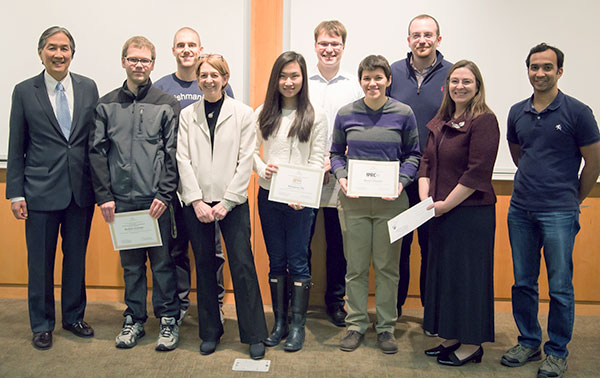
[[71, 356]]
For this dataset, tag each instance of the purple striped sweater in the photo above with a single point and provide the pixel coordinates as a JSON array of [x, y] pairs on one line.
[[387, 134]]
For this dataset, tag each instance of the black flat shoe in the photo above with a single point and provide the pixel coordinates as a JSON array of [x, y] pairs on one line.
[[257, 351], [440, 349], [450, 359], [208, 347]]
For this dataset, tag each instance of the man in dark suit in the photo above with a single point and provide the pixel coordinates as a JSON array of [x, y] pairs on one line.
[[48, 182]]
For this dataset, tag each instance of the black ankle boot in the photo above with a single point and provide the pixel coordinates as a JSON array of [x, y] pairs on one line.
[[279, 298], [300, 294]]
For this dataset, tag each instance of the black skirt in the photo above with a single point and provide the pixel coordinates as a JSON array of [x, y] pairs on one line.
[[459, 296]]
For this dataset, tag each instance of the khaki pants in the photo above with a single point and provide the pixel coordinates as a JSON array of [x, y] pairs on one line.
[[366, 237]]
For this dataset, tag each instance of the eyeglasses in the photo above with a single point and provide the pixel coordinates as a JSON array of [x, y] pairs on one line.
[[134, 61], [334, 45], [426, 36]]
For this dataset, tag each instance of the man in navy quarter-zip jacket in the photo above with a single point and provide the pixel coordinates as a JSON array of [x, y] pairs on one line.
[[419, 82]]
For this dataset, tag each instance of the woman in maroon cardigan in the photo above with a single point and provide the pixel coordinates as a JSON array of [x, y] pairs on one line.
[[456, 170]]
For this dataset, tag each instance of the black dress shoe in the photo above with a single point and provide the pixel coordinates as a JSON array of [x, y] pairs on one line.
[[80, 328], [42, 340], [450, 359], [337, 316], [440, 349]]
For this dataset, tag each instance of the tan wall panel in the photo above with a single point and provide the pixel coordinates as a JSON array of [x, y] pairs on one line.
[[104, 269], [265, 47], [13, 254]]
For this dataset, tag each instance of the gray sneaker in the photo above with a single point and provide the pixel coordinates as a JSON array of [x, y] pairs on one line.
[[552, 367], [387, 342], [351, 341], [520, 355], [168, 337], [130, 334]]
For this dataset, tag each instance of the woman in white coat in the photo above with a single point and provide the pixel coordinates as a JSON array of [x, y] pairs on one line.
[[215, 143]]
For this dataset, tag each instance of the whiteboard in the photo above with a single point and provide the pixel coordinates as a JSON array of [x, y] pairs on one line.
[[101, 28], [496, 35]]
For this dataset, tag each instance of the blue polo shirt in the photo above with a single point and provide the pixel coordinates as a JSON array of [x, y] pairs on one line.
[[547, 178]]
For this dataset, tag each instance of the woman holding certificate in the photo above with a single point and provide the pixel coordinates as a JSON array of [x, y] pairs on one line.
[[373, 132], [214, 154], [456, 170], [290, 131]]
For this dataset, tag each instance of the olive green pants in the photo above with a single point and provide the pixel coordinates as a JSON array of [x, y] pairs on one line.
[[366, 237]]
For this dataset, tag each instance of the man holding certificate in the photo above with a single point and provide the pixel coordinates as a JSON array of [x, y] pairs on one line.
[[373, 134], [132, 157]]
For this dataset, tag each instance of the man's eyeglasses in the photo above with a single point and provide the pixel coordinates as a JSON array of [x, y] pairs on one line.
[[334, 45], [134, 61], [426, 36]]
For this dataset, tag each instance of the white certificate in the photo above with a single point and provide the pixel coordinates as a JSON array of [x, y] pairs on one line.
[[410, 219], [368, 178], [297, 184], [134, 229]]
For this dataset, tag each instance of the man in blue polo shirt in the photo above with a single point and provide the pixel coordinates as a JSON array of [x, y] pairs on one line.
[[548, 135]]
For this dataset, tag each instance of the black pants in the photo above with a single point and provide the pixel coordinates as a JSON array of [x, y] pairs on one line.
[[179, 253], [335, 262], [235, 228], [413, 198], [41, 232]]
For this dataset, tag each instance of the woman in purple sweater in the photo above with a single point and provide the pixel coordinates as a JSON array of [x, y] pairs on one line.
[[456, 170], [377, 128]]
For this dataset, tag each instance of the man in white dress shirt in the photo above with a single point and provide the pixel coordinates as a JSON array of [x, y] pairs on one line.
[[331, 88]]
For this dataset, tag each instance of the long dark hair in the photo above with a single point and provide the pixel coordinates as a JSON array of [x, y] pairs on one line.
[[270, 115], [477, 106]]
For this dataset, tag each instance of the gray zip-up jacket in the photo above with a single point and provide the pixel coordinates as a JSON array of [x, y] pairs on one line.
[[132, 146]]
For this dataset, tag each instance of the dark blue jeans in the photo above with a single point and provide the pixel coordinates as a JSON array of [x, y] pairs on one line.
[[287, 233], [529, 231], [164, 281]]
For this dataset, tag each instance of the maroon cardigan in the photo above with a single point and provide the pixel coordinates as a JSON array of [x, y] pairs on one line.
[[461, 151]]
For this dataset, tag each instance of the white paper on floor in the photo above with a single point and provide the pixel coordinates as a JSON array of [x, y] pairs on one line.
[[245, 364]]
